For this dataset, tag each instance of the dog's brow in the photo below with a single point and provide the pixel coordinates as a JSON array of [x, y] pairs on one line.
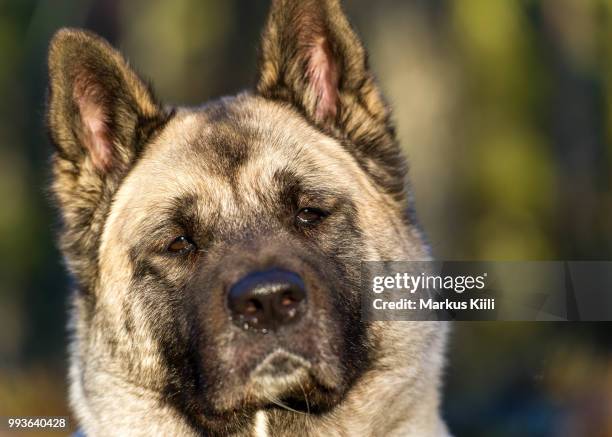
[[289, 184], [182, 210]]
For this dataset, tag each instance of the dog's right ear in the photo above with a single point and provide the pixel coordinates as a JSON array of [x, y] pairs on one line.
[[99, 115], [97, 104]]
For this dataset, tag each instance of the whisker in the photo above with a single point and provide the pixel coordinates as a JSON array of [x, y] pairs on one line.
[[280, 404], [305, 397]]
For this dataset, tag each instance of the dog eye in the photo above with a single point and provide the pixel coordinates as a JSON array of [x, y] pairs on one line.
[[181, 244], [310, 216]]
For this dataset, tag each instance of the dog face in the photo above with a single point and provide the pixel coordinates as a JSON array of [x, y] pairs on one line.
[[217, 249], [238, 212]]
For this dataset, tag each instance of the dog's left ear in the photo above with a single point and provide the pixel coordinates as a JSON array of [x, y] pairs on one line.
[[311, 58]]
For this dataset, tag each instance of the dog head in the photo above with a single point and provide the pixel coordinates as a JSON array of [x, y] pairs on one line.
[[217, 249]]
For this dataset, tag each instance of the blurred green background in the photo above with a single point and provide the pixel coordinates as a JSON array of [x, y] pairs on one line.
[[504, 108]]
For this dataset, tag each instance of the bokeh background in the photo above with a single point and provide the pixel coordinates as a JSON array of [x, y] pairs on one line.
[[504, 108]]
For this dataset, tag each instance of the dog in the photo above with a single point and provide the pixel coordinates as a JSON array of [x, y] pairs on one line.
[[216, 251]]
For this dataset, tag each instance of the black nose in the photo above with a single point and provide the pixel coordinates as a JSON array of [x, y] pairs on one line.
[[267, 300]]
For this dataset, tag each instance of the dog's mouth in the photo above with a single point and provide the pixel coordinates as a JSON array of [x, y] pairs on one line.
[[283, 382], [286, 380], [280, 365]]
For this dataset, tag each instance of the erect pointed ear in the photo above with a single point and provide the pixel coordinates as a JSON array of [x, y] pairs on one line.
[[311, 58], [98, 108], [99, 115]]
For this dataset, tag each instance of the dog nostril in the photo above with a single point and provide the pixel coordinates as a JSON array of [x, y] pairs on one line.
[[287, 299], [252, 307], [267, 300]]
